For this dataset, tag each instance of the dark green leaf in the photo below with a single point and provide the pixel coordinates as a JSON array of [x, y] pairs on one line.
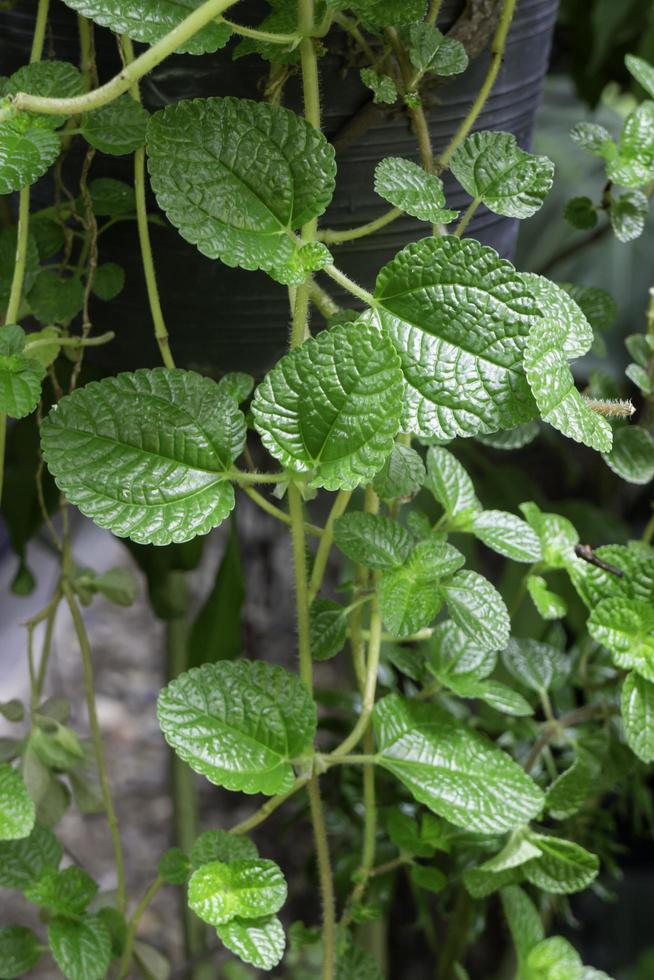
[[408, 186], [117, 128], [19, 951]]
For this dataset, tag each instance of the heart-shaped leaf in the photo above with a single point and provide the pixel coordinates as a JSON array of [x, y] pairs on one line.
[[219, 892]]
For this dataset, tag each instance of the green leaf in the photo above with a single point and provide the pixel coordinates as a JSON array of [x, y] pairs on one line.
[[506, 534], [301, 263], [450, 484], [640, 377], [49, 79], [453, 770], [431, 52], [17, 809], [574, 786], [635, 561], [495, 694], [632, 455], [238, 385], [452, 652], [480, 883], [331, 408], [553, 959], [19, 951], [459, 317], [377, 542], [642, 71], [117, 128], [328, 628], [594, 139], [523, 919], [220, 845], [409, 598], [382, 86], [150, 20], [478, 608], [641, 347], [217, 632], [404, 833], [111, 197], [235, 177], [581, 213], [260, 942], [20, 374], [626, 628], [239, 724], [174, 866], [81, 948], [637, 704], [553, 387], [556, 534], [493, 169], [407, 186], [21, 861], [48, 235], [518, 849], [598, 306], [634, 164], [401, 476], [219, 892], [47, 354], [628, 213], [8, 237], [511, 439], [558, 305], [564, 867], [381, 13], [145, 454], [54, 299], [536, 665], [66, 892], [431, 879], [108, 281]]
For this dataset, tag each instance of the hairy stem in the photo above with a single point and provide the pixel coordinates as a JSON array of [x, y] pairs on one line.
[[126, 958], [265, 36], [331, 236], [245, 826], [349, 284], [123, 81], [434, 10], [372, 666], [38, 37], [96, 738], [326, 881], [277, 512], [497, 54], [18, 277], [322, 554], [467, 217], [301, 588]]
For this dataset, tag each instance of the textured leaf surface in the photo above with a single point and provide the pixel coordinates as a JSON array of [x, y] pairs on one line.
[[150, 20], [21, 861], [359, 963], [20, 374], [407, 186], [401, 476], [570, 790], [506, 534], [111, 197], [537, 665], [553, 386], [452, 652], [558, 305], [432, 52], [219, 892], [554, 959], [451, 769], [377, 542], [637, 705], [220, 845], [478, 608], [260, 942], [144, 454], [450, 483], [557, 535], [331, 408], [65, 892], [636, 561], [563, 867], [632, 455], [19, 951], [382, 86], [492, 168], [523, 919], [54, 298], [628, 212], [16, 805], [117, 128], [633, 166], [642, 71], [328, 628], [495, 694], [235, 177], [239, 723], [510, 439], [81, 949], [626, 627], [409, 596], [459, 317]]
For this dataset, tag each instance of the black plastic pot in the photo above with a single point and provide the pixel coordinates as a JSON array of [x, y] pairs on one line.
[[221, 318]]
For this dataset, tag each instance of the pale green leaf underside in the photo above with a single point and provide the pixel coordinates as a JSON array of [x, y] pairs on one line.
[[409, 187], [16, 806], [144, 454], [260, 942], [523, 919], [81, 949], [632, 455], [331, 408], [548, 604], [150, 20], [508, 180], [219, 892], [637, 704], [553, 386], [459, 317], [235, 177], [451, 769], [239, 724]]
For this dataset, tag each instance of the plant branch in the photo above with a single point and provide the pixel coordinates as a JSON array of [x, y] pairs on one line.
[[372, 666], [290, 40], [20, 262], [301, 589], [322, 554], [555, 727], [277, 512], [467, 217], [326, 881], [258, 817], [126, 958], [349, 284], [334, 237]]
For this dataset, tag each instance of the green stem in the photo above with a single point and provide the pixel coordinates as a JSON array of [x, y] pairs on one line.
[[245, 479], [326, 880], [47, 645], [434, 10], [372, 666], [18, 277], [648, 533], [349, 284], [245, 826], [103, 338], [310, 84], [277, 512], [126, 958], [323, 301], [266, 36], [96, 738], [497, 55], [301, 589], [123, 81], [39, 31], [467, 217], [369, 830], [334, 237], [322, 554]]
